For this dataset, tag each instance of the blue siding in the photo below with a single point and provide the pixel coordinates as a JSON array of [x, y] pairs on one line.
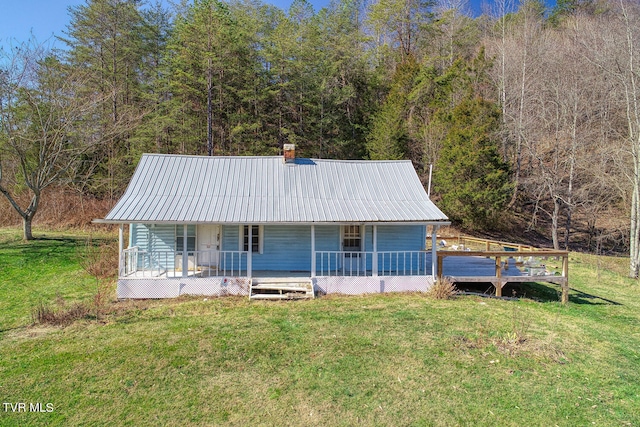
[[393, 238], [327, 238], [286, 247], [156, 241], [230, 236], [401, 237], [140, 236]]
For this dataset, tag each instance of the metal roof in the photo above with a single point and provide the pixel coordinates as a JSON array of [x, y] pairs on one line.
[[263, 190]]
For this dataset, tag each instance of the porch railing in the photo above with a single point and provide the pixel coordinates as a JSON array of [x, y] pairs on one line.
[[138, 263], [387, 263]]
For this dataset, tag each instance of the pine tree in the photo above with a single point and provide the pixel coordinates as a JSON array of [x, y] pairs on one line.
[[389, 137], [470, 175]]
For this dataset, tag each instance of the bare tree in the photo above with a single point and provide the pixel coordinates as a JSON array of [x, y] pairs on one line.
[[518, 45], [612, 44], [40, 139]]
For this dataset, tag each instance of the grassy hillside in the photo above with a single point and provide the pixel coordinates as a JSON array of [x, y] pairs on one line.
[[397, 359]]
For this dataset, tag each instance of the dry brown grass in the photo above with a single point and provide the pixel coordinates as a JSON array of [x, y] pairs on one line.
[[59, 209], [442, 289], [44, 314]]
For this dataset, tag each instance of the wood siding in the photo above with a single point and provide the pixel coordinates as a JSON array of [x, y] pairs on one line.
[[286, 247]]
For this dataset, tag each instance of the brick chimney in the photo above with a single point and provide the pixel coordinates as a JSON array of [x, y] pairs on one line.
[[289, 153]]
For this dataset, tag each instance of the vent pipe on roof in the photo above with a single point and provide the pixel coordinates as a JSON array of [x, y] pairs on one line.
[[289, 153]]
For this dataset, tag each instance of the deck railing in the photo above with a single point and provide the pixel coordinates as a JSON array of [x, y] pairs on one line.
[[387, 263], [138, 263], [537, 271]]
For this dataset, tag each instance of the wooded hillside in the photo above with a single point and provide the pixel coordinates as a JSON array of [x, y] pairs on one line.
[[524, 112]]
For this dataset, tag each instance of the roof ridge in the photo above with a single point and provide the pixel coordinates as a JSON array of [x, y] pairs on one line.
[[275, 157]]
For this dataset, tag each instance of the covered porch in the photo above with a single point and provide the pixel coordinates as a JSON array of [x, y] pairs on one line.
[[367, 265], [348, 255]]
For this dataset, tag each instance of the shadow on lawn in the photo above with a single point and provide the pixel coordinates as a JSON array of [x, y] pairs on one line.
[[541, 292]]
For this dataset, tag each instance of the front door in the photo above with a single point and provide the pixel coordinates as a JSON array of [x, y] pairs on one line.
[[208, 245]]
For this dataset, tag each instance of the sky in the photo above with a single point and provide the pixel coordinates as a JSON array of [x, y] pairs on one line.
[[46, 18]]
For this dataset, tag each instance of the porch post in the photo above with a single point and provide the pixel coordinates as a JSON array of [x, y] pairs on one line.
[[185, 254], [120, 247], [434, 251], [250, 248], [374, 261], [313, 250]]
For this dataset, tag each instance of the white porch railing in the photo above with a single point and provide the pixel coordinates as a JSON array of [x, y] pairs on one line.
[[137, 263], [340, 263], [387, 263], [404, 263]]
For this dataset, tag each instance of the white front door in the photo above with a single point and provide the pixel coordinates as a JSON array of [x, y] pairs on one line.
[[208, 244]]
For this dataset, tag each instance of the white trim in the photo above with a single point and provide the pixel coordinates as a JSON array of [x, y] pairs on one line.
[[120, 246], [413, 222], [250, 244], [250, 248], [260, 239], [434, 252], [185, 251], [374, 261], [313, 250]]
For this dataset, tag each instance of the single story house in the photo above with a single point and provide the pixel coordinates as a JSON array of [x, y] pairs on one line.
[[232, 225]]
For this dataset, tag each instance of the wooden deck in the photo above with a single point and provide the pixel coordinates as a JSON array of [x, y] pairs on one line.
[[506, 266]]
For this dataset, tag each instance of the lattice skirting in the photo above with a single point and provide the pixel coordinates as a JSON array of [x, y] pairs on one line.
[[174, 287], [367, 285], [221, 286]]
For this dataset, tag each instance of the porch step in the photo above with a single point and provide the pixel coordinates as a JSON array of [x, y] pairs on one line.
[[281, 289]]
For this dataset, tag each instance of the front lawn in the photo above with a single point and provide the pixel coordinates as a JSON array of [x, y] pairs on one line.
[[391, 359]]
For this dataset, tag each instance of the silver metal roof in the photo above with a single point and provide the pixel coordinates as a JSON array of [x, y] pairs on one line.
[[262, 190]]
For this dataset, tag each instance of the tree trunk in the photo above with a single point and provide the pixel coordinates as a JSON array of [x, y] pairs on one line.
[[27, 235], [634, 247], [554, 223]]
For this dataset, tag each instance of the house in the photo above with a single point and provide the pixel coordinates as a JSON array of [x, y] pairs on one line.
[[233, 225]]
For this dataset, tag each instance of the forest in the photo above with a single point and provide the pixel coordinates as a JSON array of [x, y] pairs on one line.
[[530, 116]]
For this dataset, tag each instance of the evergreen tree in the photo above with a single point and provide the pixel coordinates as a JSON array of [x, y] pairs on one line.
[[105, 39], [210, 65], [389, 137], [470, 175]]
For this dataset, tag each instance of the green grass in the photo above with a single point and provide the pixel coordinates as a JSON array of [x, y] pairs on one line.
[[40, 270], [395, 359]]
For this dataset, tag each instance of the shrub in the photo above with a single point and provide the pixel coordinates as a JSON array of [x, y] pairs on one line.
[[442, 289], [101, 262]]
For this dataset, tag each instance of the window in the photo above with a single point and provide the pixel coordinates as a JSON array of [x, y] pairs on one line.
[[256, 238], [191, 238], [351, 238]]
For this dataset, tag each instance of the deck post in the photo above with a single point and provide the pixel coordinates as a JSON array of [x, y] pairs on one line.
[[498, 283], [436, 263], [374, 261], [565, 281], [313, 250], [120, 248]]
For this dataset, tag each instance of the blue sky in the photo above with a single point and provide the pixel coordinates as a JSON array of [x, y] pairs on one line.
[[45, 18]]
